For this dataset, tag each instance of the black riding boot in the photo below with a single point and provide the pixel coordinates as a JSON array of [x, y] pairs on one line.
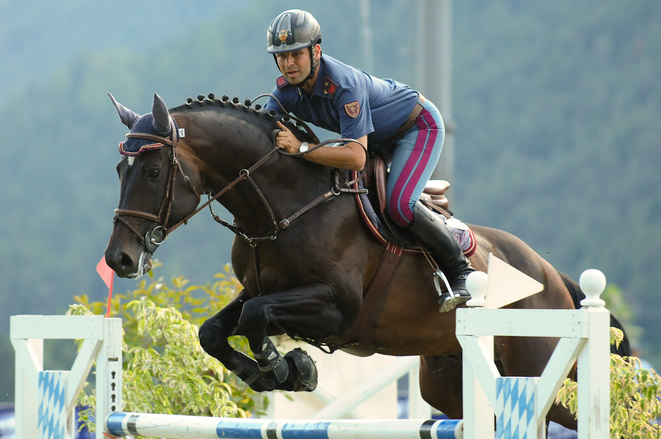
[[430, 231]]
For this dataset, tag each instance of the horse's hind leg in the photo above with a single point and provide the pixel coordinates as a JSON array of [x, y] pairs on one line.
[[440, 383]]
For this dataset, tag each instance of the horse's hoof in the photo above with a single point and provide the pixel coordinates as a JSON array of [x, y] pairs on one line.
[[448, 303], [306, 380]]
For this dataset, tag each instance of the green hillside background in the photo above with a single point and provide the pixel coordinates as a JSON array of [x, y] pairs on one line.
[[556, 103]]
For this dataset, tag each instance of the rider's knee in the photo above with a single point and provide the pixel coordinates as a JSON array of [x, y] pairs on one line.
[[402, 212]]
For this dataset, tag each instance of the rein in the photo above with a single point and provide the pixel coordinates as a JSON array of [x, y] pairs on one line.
[[300, 121], [336, 189]]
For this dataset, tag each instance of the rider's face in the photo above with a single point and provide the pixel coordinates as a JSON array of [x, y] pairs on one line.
[[295, 65]]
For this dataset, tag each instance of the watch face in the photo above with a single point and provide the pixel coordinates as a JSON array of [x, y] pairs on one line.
[[303, 147]]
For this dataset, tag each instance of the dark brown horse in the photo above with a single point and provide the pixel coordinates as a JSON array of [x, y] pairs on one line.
[[302, 253]]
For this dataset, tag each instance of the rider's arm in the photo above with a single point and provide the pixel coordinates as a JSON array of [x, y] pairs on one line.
[[350, 156]]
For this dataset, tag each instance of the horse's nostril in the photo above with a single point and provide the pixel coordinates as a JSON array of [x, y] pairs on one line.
[[120, 262], [126, 261]]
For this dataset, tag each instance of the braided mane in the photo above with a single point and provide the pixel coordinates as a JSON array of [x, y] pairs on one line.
[[210, 101]]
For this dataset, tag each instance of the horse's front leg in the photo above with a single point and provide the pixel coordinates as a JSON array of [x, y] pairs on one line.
[[214, 335], [309, 311]]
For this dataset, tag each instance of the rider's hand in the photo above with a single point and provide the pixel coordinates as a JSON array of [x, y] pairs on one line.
[[286, 140]]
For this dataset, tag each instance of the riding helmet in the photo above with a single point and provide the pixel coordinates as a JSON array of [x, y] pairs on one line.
[[292, 30]]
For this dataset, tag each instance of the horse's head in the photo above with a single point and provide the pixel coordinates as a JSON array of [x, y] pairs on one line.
[[150, 175]]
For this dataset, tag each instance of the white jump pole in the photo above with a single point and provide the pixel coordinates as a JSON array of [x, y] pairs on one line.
[[177, 426], [520, 404]]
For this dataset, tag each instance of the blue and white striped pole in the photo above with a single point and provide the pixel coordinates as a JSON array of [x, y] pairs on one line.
[[177, 426]]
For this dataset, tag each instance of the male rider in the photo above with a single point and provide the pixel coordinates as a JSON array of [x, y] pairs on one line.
[[389, 118]]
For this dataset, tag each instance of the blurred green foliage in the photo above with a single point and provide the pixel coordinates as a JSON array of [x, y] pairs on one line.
[[635, 397], [164, 368]]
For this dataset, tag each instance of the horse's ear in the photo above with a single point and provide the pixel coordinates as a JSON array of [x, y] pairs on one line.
[[127, 116], [161, 115]]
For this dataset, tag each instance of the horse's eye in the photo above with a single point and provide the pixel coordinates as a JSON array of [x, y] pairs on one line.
[[153, 173]]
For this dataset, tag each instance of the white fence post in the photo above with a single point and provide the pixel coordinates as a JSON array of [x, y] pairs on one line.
[[584, 336], [45, 400], [594, 361]]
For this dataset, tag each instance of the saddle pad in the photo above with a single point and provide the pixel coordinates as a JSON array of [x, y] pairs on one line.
[[462, 233]]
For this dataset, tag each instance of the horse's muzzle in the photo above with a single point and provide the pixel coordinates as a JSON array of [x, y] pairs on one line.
[[126, 265]]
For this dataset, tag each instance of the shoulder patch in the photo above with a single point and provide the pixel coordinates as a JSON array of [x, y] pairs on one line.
[[329, 86], [352, 109], [281, 82]]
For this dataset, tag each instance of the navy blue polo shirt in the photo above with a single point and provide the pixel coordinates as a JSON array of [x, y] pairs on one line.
[[348, 101]]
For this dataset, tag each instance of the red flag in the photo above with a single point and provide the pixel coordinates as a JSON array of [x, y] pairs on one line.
[[108, 277]]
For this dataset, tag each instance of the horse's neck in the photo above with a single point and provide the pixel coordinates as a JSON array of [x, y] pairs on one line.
[[265, 185], [224, 145]]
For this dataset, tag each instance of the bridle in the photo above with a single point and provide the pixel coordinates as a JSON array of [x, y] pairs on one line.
[[156, 236]]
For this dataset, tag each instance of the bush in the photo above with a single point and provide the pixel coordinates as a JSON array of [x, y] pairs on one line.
[[165, 370], [635, 397]]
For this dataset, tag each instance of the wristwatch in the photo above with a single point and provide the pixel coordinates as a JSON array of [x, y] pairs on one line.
[[304, 147]]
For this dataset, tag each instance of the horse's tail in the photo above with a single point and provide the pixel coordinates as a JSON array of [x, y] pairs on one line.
[[624, 349]]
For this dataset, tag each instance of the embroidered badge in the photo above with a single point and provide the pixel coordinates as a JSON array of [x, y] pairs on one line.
[[352, 109]]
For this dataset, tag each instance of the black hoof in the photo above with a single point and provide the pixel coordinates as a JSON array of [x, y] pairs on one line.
[[305, 377]]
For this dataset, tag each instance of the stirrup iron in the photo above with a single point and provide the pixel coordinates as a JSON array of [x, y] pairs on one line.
[[446, 301]]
